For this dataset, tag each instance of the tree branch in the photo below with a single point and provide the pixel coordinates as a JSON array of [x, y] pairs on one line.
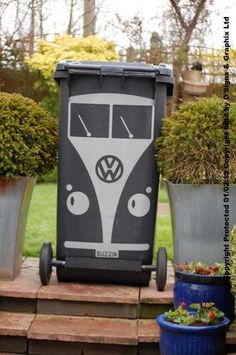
[[178, 12], [193, 23]]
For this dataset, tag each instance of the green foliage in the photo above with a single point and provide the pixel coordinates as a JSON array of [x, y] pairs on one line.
[[206, 314], [233, 261], [50, 177], [191, 148], [28, 137], [44, 60], [194, 267]]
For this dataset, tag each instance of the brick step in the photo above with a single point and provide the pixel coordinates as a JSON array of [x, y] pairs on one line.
[[74, 318], [26, 294], [85, 334], [14, 329], [23, 333]]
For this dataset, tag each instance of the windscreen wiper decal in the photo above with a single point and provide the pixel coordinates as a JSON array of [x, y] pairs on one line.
[[126, 127], [89, 134]]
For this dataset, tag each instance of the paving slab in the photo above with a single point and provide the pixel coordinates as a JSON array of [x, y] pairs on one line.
[[153, 302], [15, 324], [89, 292], [26, 285], [88, 299], [148, 331], [151, 295], [13, 331], [84, 330]]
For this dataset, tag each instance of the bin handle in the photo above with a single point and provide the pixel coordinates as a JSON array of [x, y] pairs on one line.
[[122, 73]]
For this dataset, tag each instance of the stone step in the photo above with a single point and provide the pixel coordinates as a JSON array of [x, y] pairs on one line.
[[21, 294], [14, 329], [26, 294], [83, 319], [22, 333]]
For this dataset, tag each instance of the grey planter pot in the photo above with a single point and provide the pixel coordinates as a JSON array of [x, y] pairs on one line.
[[15, 195], [197, 214]]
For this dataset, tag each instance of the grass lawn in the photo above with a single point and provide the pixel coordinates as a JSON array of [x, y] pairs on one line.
[[41, 225], [162, 193]]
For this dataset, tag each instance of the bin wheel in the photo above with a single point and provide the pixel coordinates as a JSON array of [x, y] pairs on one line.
[[45, 263], [161, 269]]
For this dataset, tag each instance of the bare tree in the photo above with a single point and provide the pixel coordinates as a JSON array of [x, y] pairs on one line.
[[89, 18], [186, 17], [32, 26], [71, 15], [42, 17], [132, 29]]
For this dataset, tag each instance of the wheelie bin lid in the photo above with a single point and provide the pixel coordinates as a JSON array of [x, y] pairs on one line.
[[162, 72]]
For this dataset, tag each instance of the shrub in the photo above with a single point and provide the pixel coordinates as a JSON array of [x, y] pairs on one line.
[[50, 177], [28, 137], [48, 54], [191, 148]]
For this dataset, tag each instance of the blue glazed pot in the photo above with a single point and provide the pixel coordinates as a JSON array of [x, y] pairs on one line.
[[194, 288], [178, 339]]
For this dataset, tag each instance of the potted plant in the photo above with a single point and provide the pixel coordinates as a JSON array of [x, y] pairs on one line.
[[202, 332], [28, 147], [192, 79], [190, 155], [196, 281], [195, 74]]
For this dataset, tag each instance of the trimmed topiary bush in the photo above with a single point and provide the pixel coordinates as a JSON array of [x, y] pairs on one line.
[[191, 148], [28, 137]]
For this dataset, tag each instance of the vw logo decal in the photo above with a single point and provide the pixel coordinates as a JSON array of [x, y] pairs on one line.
[[109, 168]]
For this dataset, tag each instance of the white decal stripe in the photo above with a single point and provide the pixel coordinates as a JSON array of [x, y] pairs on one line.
[[106, 246]]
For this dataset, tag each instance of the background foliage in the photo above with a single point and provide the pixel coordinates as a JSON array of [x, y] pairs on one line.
[[48, 54], [191, 149]]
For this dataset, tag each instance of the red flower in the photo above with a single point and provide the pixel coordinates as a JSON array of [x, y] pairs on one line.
[[198, 269], [212, 315], [182, 305]]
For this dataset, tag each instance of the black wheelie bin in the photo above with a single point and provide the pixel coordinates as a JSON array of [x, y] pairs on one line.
[[110, 115]]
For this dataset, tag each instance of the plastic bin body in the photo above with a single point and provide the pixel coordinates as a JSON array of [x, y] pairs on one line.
[[110, 114]]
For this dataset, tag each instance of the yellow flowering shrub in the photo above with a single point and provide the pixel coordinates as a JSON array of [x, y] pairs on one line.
[[48, 54]]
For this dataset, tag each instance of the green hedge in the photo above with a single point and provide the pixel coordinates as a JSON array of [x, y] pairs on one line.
[[28, 137], [191, 148]]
